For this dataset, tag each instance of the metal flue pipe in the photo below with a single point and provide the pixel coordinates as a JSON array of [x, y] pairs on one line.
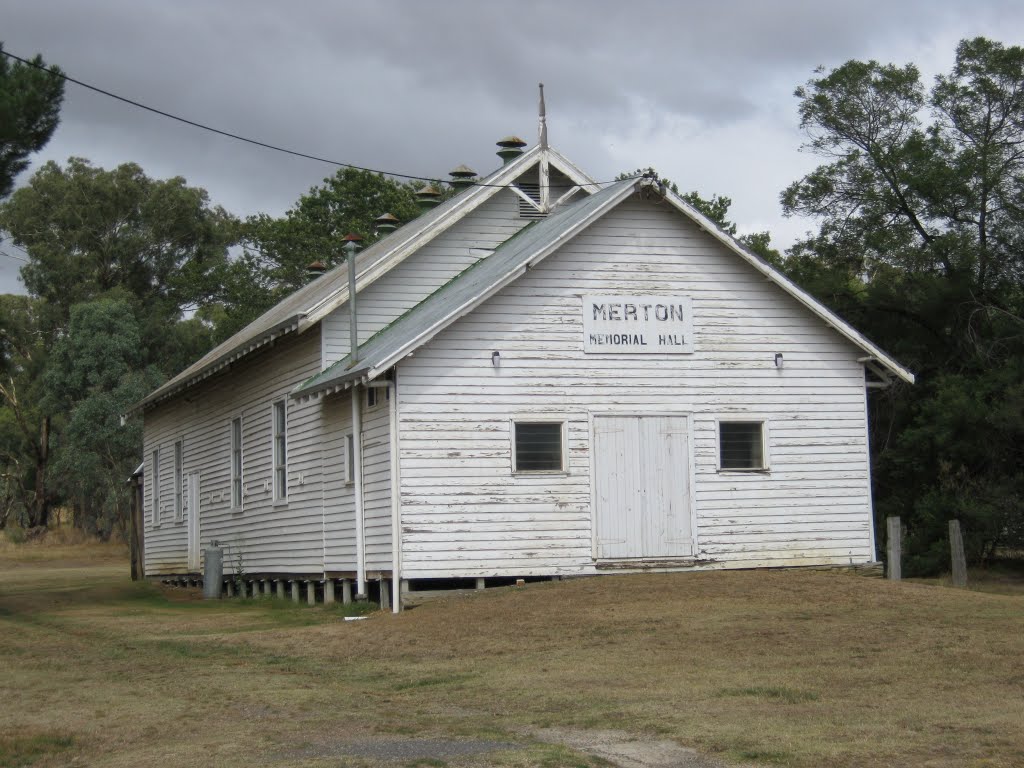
[[350, 248]]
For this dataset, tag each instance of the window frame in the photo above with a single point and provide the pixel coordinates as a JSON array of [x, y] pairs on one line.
[[237, 466], [279, 450], [179, 480], [563, 444], [374, 397], [350, 458], [761, 421], [154, 493]]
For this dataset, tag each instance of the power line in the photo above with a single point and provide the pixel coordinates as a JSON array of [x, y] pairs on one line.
[[12, 256], [245, 139]]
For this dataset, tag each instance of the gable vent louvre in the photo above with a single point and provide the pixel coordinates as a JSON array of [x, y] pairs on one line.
[[532, 190], [428, 196], [511, 147], [462, 177]]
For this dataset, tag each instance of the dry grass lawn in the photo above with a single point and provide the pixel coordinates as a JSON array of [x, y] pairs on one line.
[[774, 668]]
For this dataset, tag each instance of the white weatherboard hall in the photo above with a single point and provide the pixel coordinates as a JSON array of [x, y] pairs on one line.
[[552, 377]]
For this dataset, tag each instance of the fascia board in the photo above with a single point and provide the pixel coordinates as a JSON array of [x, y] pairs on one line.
[[830, 318]]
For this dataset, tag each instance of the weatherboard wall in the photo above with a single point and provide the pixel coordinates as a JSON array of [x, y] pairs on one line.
[[264, 535], [427, 269], [339, 527], [315, 530], [464, 512]]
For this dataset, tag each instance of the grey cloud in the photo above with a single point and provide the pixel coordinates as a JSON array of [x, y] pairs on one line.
[[420, 87]]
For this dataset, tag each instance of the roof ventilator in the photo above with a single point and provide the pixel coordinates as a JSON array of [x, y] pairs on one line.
[[463, 177], [385, 224], [314, 270], [428, 196], [511, 147]]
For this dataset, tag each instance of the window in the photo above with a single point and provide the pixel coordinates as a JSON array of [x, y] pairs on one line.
[[280, 451], [236, 463], [155, 488], [350, 458], [741, 445], [538, 446], [377, 395], [178, 479]]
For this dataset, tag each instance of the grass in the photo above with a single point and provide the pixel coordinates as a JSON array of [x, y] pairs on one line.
[[1003, 577], [773, 668], [776, 693], [23, 749]]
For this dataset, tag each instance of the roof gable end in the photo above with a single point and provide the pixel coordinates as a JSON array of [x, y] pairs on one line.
[[305, 307], [874, 354], [475, 285]]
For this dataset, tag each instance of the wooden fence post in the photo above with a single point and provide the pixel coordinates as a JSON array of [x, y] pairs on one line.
[[956, 549], [893, 534], [136, 527]]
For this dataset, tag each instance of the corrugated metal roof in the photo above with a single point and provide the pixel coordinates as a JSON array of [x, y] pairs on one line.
[[466, 290], [303, 308]]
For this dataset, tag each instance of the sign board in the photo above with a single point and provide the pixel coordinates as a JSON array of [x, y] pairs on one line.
[[638, 324]]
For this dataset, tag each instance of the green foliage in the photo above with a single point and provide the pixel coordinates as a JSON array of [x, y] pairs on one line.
[[921, 211], [650, 173], [116, 260], [715, 208], [30, 100], [278, 250], [96, 372], [89, 231], [24, 426]]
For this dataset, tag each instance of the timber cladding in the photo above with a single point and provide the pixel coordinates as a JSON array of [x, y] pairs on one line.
[[464, 511], [608, 385]]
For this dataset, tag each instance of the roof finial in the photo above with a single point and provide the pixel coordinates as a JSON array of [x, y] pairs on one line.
[[543, 141]]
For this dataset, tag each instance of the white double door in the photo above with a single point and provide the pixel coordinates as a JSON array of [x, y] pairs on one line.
[[641, 482]]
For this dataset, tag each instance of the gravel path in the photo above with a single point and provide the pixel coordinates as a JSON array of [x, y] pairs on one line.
[[625, 750]]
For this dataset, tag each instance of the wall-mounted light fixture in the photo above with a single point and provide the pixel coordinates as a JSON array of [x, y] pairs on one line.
[[495, 358], [778, 359]]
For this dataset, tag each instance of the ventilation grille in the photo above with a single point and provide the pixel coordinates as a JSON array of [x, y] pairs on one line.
[[527, 211]]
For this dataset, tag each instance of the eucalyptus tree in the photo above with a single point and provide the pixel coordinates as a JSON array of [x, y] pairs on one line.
[[156, 247], [920, 203], [280, 249]]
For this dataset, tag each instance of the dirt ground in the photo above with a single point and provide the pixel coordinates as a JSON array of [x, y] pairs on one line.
[[703, 669]]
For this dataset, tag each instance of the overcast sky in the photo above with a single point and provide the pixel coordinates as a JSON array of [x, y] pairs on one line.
[[702, 91]]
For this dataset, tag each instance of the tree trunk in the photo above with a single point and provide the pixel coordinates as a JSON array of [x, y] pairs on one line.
[[41, 502]]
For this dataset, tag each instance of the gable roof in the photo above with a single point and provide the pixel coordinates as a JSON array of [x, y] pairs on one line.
[[308, 305], [472, 287]]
